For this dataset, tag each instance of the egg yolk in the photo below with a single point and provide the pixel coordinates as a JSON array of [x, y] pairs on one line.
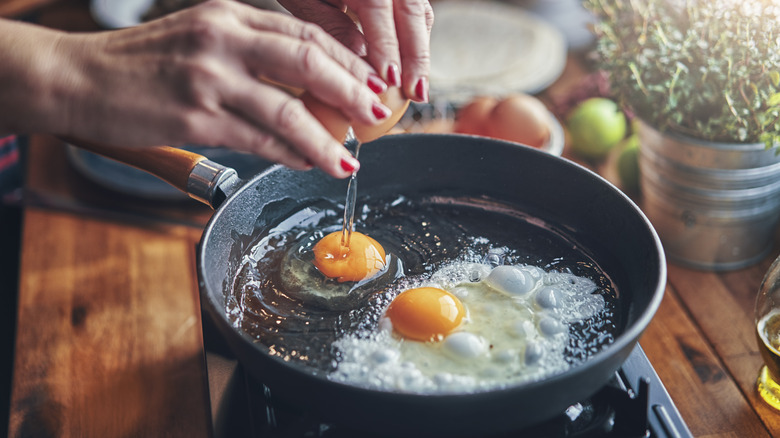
[[363, 258], [425, 313]]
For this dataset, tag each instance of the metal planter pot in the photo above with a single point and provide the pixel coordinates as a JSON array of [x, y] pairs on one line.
[[715, 205]]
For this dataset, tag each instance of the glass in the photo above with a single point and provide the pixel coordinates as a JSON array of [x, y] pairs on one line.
[[768, 335]]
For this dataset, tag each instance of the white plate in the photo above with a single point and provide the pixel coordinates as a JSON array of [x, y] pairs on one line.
[[114, 14], [489, 48]]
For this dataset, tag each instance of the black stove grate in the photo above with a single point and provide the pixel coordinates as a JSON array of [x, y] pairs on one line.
[[634, 404]]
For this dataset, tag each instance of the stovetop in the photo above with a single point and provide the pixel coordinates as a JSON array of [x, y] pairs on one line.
[[633, 404]]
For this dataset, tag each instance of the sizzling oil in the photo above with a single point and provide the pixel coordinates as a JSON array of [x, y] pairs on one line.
[[419, 235]]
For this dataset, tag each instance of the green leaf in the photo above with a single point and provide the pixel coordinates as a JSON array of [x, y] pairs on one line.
[[774, 100], [774, 76]]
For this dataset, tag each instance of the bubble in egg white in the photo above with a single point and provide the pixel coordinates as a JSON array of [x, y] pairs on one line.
[[533, 353], [464, 345], [548, 297], [511, 280], [494, 259], [550, 326], [384, 356]]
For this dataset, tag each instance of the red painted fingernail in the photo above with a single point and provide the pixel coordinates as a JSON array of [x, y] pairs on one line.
[[393, 75], [376, 84], [350, 164], [421, 89], [380, 111]]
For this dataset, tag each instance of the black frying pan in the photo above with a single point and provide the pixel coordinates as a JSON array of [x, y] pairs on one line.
[[591, 212]]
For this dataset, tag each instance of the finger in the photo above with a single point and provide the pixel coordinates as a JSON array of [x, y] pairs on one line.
[[306, 65], [326, 17], [414, 20], [234, 131], [378, 23], [288, 120], [330, 16], [294, 53]]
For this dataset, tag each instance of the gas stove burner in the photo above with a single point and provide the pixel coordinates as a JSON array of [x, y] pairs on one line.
[[634, 404]]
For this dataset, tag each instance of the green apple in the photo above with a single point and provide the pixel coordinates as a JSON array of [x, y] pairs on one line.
[[595, 126], [628, 163]]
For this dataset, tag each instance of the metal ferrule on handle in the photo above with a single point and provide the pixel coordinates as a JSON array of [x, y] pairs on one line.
[[211, 183], [194, 174]]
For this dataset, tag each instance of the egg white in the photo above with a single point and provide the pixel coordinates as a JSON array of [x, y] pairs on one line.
[[516, 329]]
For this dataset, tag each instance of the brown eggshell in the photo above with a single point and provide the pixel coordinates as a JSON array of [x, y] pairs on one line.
[[520, 118], [472, 118], [331, 118], [392, 98], [338, 125]]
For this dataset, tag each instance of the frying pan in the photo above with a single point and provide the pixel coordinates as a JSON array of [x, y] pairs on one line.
[[592, 213]]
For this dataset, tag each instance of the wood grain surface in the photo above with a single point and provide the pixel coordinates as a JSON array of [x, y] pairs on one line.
[[109, 334]]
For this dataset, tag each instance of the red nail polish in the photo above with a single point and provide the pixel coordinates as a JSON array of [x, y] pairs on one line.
[[393, 75], [380, 111], [421, 89], [376, 84], [349, 165]]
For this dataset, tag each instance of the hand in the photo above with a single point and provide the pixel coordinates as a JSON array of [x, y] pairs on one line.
[[190, 77], [395, 38]]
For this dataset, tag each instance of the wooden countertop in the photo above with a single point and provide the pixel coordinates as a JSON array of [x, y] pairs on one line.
[[109, 340]]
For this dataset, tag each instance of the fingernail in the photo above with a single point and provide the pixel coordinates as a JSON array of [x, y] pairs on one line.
[[380, 111], [309, 164], [376, 84], [393, 75], [350, 164], [421, 89]]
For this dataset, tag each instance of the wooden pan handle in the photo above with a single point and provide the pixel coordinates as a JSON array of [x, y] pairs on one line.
[[170, 164]]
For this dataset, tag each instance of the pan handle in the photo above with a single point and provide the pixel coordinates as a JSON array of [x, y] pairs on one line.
[[202, 179], [210, 182]]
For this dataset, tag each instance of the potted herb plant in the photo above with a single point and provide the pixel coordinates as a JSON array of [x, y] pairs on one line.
[[703, 79]]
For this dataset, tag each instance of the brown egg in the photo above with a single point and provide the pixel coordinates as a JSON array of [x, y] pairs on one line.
[[520, 118], [472, 118], [394, 99], [337, 124], [331, 118]]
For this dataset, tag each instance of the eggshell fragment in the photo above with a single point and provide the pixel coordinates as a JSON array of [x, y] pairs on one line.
[[338, 124], [392, 98]]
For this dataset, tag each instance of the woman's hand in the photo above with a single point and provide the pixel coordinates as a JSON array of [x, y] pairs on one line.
[[191, 77], [395, 35]]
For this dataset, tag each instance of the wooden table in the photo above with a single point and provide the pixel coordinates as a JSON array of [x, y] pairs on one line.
[[109, 340]]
